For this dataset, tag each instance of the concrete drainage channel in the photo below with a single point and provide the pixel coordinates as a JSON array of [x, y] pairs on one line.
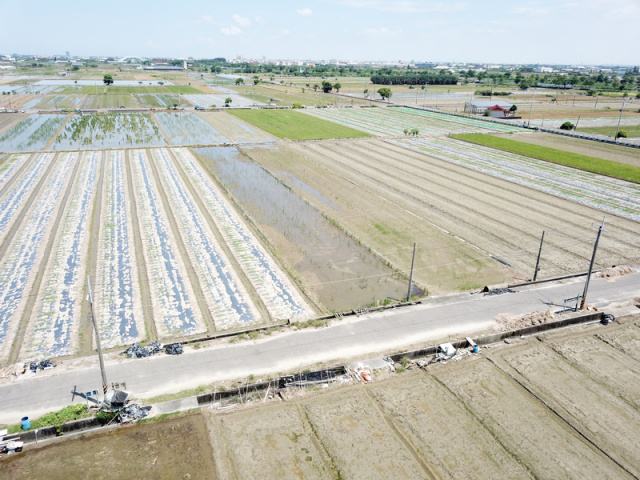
[[261, 391]]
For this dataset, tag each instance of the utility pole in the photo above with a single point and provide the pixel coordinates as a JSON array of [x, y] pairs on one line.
[[535, 273], [413, 259], [593, 258], [531, 107], [577, 122], [97, 332], [619, 119]]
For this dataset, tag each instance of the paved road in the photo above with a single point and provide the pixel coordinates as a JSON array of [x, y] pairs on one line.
[[394, 330]]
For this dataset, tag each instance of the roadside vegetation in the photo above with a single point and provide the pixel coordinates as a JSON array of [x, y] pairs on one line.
[[575, 160]]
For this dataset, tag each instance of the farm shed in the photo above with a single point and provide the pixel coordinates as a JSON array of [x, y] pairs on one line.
[[480, 107]]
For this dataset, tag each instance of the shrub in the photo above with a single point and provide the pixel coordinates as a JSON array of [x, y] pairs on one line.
[[567, 126], [622, 134], [297, 105]]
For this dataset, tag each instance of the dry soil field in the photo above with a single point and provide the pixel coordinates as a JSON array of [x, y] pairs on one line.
[[561, 405]]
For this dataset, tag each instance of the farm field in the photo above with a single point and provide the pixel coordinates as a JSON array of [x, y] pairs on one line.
[[606, 151], [156, 100], [32, 133], [336, 271], [633, 131], [236, 130], [512, 411], [209, 100], [57, 102], [206, 269], [295, 126], [393, 121], [188, 129], [424, 195], [583, 162], [9, 121], [111, 130], [108, 101]]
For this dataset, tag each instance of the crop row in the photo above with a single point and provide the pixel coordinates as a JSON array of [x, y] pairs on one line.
[[9, 166], [115, 289], [20, 191], [32, 133], [19, 260], [188, 129], [227, 299], [280, 297], [171, 299], [53, 329], [611, 195]]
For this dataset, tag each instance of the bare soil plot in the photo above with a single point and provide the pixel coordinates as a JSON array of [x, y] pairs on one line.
[[358, 440], [381, 221], [626, 339], [612, 368], [502, 219], [614, 153], [592, 409], [175, 448], [451, 439], [235, 129], [269, 442], [530, 432]]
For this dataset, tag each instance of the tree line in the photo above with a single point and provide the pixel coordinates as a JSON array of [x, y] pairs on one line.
[[411, 78]]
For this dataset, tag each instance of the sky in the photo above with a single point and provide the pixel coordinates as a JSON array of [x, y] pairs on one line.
[[578, 32]]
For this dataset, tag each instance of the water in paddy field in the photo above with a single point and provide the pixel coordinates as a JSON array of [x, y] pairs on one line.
[[335, 268]]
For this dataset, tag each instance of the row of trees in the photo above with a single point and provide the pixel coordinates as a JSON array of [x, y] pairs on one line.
[[415, 78]]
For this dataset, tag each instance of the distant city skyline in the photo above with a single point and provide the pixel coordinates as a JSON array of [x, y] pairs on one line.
[[495, 31]]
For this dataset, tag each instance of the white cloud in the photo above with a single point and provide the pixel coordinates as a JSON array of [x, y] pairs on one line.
[[305, 12], [231, 31], [403, 6], [532, 11], [285, 32], [384, 31], [242, 21]]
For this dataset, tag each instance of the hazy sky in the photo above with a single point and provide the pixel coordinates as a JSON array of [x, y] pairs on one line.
[[501, 31]]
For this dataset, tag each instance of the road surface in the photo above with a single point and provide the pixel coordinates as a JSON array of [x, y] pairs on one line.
[[390, 330]]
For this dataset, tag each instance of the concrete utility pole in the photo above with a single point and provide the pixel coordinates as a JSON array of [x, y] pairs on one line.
[[593, 258], [531, 107], [619, 119], [413, 259], [97, 332], [535, 274]]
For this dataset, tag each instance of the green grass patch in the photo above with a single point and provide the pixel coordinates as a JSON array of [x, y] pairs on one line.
[[561, 157], [80, 90], [55, 419], [632, 130], [182, 89], [295, 125]]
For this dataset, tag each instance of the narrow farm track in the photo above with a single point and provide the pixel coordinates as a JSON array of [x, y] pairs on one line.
[[235, 266], [17, 201], [219, 292], [145, 295], [116, 297], [53, 321], [23, 268], [498, 216], [522, 206], [85, 329], [174, 299]]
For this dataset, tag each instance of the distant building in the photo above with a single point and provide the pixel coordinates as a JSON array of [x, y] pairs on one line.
[[496, 108], [543, 70], [162, 68]]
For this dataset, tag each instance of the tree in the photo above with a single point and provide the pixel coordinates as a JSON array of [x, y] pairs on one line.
[[622, 134], [385, 93], [140, 83], [227, 101], [256, 80], [239, 81], [326, 86], [315, 87], [108, 79], [567, 126], [337, 86], [513, 109], [160, 83]]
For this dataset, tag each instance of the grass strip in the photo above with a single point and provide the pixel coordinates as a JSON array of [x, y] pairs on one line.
[[55, 419], [561, 157], [295, 125], [632, 130]]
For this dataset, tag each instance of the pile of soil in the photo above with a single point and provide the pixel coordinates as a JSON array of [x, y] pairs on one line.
[[508, 321], [619, 271]]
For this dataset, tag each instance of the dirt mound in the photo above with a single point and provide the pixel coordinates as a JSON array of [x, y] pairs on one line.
[[508, 321], [619, 271]]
